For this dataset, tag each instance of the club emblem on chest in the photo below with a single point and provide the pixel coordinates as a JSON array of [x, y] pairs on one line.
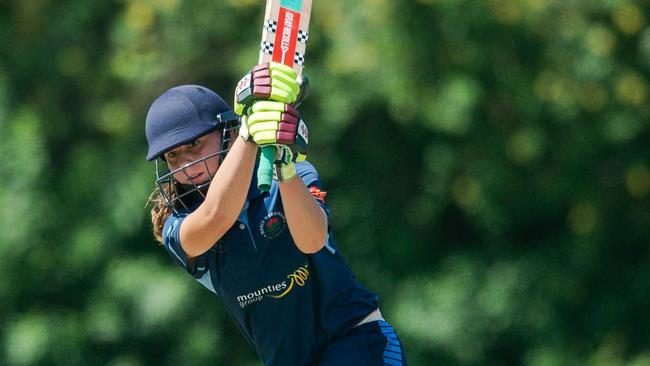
[[273, 225]]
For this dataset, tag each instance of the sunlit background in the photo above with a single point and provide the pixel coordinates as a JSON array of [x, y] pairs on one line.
[[487, 163]]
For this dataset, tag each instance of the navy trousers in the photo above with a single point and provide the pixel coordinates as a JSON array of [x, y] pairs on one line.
[[371, 344]]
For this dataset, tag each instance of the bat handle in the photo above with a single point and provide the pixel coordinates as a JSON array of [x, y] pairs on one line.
[[265, 169]]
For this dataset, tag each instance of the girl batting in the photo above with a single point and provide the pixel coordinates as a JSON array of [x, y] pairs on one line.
[[269, 256]]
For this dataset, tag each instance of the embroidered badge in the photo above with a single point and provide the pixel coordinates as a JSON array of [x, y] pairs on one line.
[[273, 225]]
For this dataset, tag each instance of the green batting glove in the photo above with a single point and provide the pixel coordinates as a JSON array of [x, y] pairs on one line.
[[284, 167], [273, 123], [270, 81], [243, 129]]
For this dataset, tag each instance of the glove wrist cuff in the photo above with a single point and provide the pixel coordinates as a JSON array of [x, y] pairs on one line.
[[284, 172], [248, 139], [285, 180]]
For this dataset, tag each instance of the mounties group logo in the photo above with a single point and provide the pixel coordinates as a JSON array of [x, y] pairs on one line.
[[273, 225], [298, 278]]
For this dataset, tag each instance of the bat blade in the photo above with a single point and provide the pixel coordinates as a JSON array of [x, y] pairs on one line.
[[286, 32], [284, 40]]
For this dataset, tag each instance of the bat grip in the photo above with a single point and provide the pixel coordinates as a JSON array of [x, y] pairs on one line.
[[265, 169]]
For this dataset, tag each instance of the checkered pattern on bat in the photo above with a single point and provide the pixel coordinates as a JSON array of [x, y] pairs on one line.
[[299, 59], [267, 47], [270, 25], [302, 36]]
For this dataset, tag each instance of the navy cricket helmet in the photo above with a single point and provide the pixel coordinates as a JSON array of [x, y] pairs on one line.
[[183, 114], [177, 117]]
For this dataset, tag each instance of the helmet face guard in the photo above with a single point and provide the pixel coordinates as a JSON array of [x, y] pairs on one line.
[[186, 197], [177, 117]]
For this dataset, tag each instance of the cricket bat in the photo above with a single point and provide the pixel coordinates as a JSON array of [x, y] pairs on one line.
[[284, 39]]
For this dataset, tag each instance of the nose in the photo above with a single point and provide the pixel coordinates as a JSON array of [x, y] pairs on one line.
[[185, 159], [189, 169], [193, 168]]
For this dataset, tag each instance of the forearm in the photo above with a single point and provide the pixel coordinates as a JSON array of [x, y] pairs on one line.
[[223, 202], [229, 186], [306, 219]]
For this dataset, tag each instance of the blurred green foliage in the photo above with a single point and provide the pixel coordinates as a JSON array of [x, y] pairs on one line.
[[487, 164]]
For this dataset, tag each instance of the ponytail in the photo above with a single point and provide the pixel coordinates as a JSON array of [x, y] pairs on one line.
[[160, 211]]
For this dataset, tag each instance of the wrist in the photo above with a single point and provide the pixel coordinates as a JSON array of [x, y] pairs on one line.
[[244, 133], [246, 144], [288, 180], [284, 172], [247, 139]]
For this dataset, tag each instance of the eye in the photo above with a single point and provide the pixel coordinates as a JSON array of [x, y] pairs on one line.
[[195, 143], [171, 156]]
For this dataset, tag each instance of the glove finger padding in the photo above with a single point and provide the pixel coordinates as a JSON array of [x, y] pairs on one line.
[[275, 82], [268, 106], [270, 122], [286, 78], [268, 81], [298, 149], [288, 127]]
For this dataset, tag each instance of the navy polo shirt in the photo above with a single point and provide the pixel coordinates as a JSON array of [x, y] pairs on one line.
[[288, 304]]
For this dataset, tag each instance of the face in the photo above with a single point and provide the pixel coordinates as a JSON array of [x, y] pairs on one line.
[[184, 155]]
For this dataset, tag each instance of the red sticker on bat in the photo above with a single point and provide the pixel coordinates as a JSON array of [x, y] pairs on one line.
[[286, 37]]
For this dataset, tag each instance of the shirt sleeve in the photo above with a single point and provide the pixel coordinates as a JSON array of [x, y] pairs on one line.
[[172, 243], [312, 181]]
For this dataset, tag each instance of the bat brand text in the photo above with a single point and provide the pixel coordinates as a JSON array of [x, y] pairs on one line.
[[286, 34]]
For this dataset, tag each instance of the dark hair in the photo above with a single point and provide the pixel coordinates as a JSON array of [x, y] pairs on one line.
[[160, 211]]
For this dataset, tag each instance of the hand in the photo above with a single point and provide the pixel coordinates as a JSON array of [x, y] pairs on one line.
[[284, 167], [243, 129], [271, 123], [270, 81]]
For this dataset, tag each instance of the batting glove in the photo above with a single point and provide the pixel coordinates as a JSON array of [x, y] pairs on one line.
[[243, 129], [271, 123], [270, 81], [284, 167]]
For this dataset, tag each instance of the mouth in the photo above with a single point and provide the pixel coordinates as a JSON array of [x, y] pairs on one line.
[[197, 178]]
